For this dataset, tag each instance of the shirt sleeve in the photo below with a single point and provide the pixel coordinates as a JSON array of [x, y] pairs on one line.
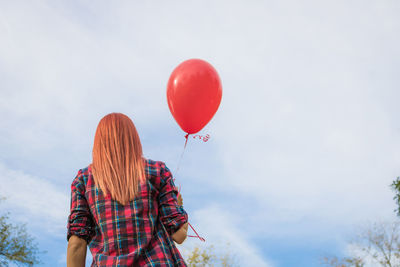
[[172, 215], [80, 220]]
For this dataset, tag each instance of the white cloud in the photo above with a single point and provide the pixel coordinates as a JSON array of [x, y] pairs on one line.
[[36, 200], [307, 126]]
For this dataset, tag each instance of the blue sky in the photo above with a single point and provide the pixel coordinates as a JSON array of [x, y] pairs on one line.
[[303, 147]]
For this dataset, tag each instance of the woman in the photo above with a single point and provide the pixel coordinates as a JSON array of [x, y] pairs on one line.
[[124, 207]]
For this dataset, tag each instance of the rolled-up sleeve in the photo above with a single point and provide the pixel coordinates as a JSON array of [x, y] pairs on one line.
[[172, 215], [80, 220]]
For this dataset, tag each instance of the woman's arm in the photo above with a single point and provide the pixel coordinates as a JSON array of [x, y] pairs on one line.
[[76, 252], [171, 212], [180, 235], [80, 224]]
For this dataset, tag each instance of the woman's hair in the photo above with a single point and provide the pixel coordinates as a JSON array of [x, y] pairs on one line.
[[118, 166]]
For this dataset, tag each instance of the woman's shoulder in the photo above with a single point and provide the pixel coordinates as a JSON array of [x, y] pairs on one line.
[[82, 177], [156, 170], [154, 167]]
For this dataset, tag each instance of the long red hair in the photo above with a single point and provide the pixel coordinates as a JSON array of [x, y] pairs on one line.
[[118, 165]]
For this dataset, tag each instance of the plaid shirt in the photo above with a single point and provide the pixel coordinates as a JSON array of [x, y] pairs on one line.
[[137, 234]]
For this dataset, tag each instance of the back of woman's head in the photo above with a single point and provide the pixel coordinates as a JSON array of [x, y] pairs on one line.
[[118, 166]]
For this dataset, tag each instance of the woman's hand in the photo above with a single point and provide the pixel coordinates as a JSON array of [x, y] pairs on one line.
[[180, 235], [180, 200]]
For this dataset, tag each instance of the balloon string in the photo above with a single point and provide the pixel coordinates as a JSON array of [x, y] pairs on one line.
[[197, 235], [202, 137], [179, 190], [183, 152]]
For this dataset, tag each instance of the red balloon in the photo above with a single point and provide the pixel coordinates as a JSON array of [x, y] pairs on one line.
[[194, 92]]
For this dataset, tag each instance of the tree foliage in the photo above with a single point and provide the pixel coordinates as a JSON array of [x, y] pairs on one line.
[[207, 258], [396, 188], [378, 244], [16, 245], [345, 262]]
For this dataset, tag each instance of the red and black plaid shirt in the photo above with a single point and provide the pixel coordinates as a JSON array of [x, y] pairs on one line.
[[137, 234]]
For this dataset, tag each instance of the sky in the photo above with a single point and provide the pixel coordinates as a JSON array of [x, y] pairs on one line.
[[303, 148]]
